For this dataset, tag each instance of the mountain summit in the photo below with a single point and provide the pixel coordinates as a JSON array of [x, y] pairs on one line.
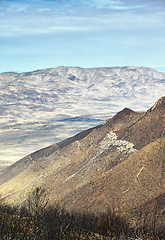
[[120, 162], [159, 103]]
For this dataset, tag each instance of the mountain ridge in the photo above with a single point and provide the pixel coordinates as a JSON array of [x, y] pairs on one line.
[[110, 164], [38, 104]]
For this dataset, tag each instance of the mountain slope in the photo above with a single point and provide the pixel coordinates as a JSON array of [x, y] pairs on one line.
[[113, 163], [148, 127], [16, 168], [130, 184]]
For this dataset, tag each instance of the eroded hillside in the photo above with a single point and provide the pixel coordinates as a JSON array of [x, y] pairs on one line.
[[120, 162]]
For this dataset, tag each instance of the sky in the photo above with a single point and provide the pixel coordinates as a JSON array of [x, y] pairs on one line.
[[39, 34]]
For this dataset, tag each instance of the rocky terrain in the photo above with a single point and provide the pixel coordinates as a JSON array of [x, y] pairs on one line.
[[46, 106], [119, 163]]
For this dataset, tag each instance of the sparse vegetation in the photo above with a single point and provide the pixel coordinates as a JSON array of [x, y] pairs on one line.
[[38, 220]]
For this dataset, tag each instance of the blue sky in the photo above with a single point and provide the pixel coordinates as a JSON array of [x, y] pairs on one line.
[[36, 34]]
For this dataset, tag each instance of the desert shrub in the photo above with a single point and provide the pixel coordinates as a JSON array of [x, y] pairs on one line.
[[37, 220], [56, 222], [151, 219], [112, 224], [37, 202]]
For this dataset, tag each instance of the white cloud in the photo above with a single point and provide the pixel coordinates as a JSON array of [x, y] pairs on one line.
[[53, 20], [95, 26]]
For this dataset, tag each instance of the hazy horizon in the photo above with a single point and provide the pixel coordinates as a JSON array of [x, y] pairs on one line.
[[159, 69]]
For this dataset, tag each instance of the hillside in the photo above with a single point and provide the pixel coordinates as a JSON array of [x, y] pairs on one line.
[[130, 184], [45, 106], [120, 162]]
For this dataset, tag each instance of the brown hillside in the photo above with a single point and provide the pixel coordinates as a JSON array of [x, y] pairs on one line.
[[150, 208], [21, 165], [147, 128], [130, 184], [97, 167]]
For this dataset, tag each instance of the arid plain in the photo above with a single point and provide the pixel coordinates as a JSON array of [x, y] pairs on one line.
[[43, 107]]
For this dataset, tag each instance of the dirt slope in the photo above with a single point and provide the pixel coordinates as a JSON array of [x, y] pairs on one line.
[[138, 179], [118, 163]]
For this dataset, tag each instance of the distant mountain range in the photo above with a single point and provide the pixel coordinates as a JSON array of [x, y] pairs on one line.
[[45, 106], [120, 163]]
